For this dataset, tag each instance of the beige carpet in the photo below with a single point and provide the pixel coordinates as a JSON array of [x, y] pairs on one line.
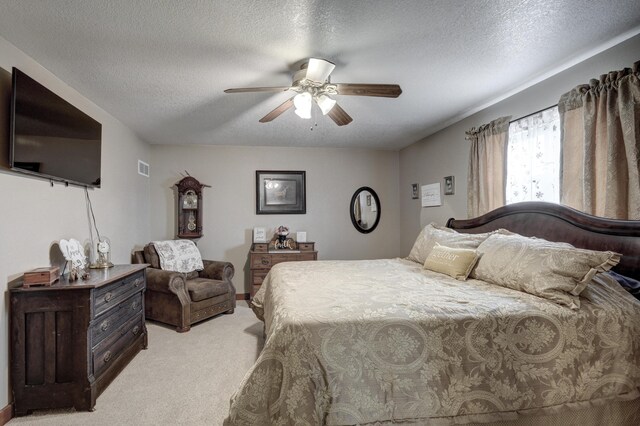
[[182, 379]]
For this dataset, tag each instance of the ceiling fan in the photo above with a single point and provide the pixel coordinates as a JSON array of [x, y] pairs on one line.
[[312, 84]]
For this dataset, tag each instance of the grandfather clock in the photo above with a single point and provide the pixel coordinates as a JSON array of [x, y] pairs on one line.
[[189, 207]]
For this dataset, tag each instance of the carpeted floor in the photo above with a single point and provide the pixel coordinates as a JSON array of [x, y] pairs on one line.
[[181, 379]]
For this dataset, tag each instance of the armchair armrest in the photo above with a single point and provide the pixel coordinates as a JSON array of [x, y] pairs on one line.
[[216, 270], [166, 281]]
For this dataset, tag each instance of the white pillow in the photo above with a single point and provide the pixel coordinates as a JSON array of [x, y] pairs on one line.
[[432, 234], [556, 271]]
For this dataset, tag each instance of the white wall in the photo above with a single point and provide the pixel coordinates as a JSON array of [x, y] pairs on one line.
[[34, 215], [447, 152], [333, 175]]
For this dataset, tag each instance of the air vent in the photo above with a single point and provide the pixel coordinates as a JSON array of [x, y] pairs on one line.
[[143, 168]]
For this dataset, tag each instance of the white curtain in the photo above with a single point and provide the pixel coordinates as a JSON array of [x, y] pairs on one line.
[[533, 158]]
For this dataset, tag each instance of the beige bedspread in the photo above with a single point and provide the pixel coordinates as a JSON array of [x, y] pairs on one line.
[[357, 342]]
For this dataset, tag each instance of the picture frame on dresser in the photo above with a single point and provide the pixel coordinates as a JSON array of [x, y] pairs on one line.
[[281, 192]]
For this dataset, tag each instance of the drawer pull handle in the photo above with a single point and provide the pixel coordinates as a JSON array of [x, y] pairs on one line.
[[107, 356], [108, 297], [137, 282], [265, 261], [134, 305], [105, 325], [135, 330]]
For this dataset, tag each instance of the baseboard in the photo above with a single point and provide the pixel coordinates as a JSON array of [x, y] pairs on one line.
[[6, 414], [242, 296]]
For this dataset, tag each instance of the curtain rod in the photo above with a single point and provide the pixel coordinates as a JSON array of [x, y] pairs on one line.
[[533, 113], [520, 118]]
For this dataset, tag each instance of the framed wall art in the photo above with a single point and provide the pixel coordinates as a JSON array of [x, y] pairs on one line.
[[280, 192], [449, 185], [431, 195], [414, 191]]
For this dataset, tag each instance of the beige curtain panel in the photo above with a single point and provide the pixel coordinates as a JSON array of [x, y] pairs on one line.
[[600, 131], [487, 165]]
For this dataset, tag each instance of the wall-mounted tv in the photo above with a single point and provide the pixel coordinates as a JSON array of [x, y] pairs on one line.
[[50, 137]]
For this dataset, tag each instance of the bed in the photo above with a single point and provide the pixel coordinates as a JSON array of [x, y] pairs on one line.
[[386, 341]]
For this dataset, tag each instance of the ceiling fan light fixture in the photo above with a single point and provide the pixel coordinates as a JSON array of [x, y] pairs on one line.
[[302, 102], [318, 70], [312, 84], [325, 103]]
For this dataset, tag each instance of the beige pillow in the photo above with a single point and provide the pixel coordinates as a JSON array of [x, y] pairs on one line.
[[556, 271], [432, 234], [455, 262]]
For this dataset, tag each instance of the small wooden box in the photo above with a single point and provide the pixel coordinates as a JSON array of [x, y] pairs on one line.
[[41, 276]]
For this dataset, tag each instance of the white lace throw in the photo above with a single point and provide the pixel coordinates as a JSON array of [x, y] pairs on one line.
[[179, 255]]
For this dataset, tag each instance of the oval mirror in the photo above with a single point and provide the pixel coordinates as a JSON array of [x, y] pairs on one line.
[[365, 209]]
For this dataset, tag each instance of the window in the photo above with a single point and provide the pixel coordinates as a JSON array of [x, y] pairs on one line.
[[533, 158]]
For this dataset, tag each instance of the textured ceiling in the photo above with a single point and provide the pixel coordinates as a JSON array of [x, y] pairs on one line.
[[160, 66]]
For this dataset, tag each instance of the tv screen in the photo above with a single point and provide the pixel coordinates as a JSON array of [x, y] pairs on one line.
[[50, 137]]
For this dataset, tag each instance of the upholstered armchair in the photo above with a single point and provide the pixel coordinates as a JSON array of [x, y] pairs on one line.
[[181, 299]]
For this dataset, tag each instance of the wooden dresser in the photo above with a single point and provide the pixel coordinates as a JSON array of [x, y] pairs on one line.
[[261, 260], [70, 340]]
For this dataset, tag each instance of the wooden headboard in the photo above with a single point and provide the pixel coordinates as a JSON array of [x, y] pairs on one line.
[[555, 222]]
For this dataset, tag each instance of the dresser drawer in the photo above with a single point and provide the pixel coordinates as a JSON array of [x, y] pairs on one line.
[[108, 351], [111, 295], [257, 277], [261, 247], [115, 317], [305, 246], [290, 257], [261, 260]]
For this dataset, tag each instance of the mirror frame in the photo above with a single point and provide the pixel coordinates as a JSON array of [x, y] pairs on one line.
[[353, 217]]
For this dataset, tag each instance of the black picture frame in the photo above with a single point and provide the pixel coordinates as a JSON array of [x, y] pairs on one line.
[[414, 191], [281, 192], [449, 185]]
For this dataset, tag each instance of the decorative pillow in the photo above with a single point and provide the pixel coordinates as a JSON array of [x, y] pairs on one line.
[[179, 256], [556, 271], [432, 234], [455, 262]]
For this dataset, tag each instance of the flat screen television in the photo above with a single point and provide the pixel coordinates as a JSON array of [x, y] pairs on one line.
[[50, 137]]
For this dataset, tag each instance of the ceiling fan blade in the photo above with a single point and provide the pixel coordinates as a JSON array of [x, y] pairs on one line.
[[339, 115], [378, 90], [318, 70], [277, 111], [258, 89]]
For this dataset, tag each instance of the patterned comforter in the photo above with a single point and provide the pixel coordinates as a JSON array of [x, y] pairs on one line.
[[357, 342]]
